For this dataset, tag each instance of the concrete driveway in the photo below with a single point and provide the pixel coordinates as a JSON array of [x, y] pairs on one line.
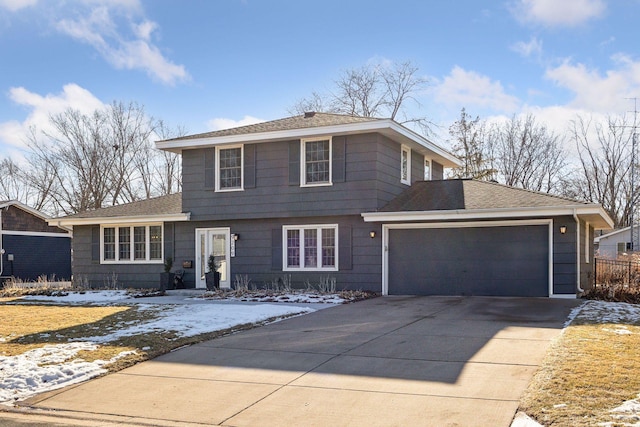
[[432, 361]]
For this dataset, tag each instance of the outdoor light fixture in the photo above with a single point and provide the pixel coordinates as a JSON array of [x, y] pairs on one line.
[[372, 234], [236, 237], [563, 229]]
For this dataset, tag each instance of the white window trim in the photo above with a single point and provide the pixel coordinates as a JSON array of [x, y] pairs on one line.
[[217, 168], [318, 227], [406, 149], [131, 259], [303, 168], [424, 163]]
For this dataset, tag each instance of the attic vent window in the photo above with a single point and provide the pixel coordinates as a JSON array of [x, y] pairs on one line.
[[309, 114]]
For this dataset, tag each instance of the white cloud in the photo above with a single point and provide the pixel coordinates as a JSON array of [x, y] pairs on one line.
[[596, 91], [554, 13], [99, 28], [220, 123], [41, 107], [462, 88], [15, 5], [527, 49]]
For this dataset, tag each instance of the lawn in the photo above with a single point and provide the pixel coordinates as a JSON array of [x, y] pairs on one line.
[[591, 375], [51, 342]]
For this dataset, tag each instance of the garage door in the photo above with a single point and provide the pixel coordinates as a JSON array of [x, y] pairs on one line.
[[500, 261]]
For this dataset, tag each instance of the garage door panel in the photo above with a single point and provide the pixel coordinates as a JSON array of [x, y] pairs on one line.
[[505, 260]]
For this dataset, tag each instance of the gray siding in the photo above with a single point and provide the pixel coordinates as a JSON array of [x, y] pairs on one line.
[[564, 256], [35, 256], [437, 171], [367, 176], [255, 252], [87, 268]]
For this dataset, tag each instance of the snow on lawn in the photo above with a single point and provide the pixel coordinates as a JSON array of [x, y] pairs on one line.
[[93, 297], [48, 368], [193, 319], [56, 366], [609, 312]]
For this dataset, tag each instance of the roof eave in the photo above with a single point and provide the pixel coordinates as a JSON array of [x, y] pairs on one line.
[[137, 219], [594, 214], [385, 126]]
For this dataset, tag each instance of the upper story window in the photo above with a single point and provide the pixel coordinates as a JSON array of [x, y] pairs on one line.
[[405, 165], [316, 162], [139, 243], [427, 169], [229, 168]]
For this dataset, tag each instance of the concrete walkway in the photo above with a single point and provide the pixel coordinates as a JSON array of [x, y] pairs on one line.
[[404, 361]]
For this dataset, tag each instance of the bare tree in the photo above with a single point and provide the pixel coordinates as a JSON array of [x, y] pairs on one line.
[[89, 161], [470, 143], [605, 162], [526, 154], [375, 90]]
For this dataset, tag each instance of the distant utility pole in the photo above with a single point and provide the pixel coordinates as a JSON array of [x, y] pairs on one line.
[[633, 173]]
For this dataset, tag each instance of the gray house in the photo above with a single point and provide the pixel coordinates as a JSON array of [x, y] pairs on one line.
[[30, 247], [361, 200]]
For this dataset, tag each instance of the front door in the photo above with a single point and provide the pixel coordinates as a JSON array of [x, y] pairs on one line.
[[216, 242]]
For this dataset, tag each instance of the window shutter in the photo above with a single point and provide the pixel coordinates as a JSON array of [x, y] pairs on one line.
[[344, 253], [276, 249], [294, 163], [209, 167], [95, 244], [250, 166], [168, 240], [339, 159]]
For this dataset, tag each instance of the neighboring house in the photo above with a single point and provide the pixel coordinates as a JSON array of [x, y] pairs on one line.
[[30, 247], [617, 242], [360, 200]]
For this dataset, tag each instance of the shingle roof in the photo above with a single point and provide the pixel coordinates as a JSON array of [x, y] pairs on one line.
[[163, 205], [458, 194], [307, 120]]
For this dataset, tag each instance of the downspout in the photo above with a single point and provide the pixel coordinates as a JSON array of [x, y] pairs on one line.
[[575, 216]]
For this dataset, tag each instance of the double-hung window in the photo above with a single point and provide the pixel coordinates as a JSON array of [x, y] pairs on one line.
[[427, 169], [310, 247], [405, 165], [229, 166], [139, 243], [316, 162]]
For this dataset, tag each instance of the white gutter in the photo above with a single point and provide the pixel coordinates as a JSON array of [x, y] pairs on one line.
[[70, 222], [575, 216]]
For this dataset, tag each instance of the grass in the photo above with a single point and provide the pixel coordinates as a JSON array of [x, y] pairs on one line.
[[591, 369], [24, 327]]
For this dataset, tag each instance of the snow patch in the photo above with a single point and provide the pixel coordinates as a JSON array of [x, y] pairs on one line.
[[48, 368]]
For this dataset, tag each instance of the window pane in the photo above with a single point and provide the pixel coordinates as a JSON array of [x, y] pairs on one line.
[[317, 161], [405, 165], [293, 248], [230, 168], [124, 243], [139, 242], [109, 240], [311, 248], [427, 170], [328, 247], [155, 242]]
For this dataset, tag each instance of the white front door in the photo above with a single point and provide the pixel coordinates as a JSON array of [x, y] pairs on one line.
[[216, 242]]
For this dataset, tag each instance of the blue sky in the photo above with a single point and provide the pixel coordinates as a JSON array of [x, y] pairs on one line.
[[205, 65]]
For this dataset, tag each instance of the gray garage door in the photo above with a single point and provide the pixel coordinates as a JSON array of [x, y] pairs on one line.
[[500, 261]]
